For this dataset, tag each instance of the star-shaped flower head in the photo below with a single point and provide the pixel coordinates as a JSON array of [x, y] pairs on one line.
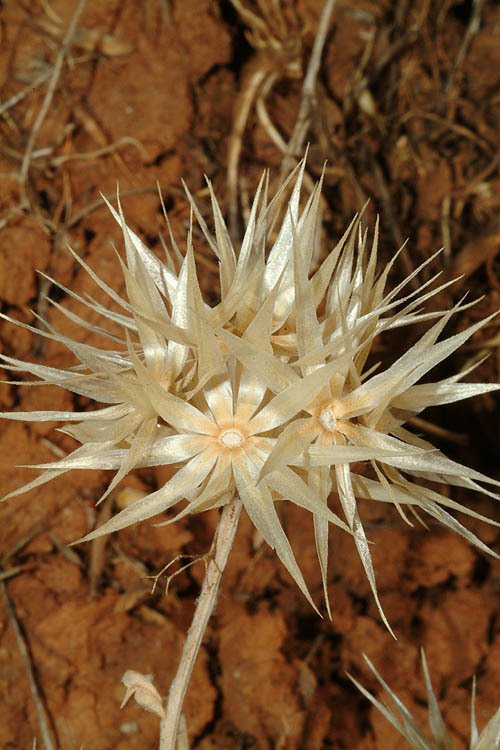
[[267, 395], [178, 396], [337, 412]]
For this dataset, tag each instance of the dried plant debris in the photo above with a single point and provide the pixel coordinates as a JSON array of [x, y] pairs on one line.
[[402, 720]]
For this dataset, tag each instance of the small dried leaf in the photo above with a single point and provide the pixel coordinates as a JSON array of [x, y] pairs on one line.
[[142, 688]]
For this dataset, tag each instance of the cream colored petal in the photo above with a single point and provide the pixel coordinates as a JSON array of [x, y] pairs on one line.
[[291, 401], [419, 397], [307, 326], [276, 374], [489, 739], [246, 259], [291, 487], [124, 304], [260, 507], [409, 368], [320, 483], [406, 724], [182, 483], [417, 496], [224, 247], [164, 279], [323, 276], [218, 489], [291, 443], [348, 501], [332, 455], [416, 461], [139, 445], [218, 394], [67, 416], [436, 723], [84, 452], [280, 256], [250, 394], [174, 410], [201, 221]]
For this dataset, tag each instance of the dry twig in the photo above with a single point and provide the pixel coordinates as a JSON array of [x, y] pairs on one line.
[[278, 55], [470, 32], [226, 530], [43, 717], [296, 143], [23, 173]]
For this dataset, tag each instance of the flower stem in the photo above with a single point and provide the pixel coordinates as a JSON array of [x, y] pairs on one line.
[[226, 530]]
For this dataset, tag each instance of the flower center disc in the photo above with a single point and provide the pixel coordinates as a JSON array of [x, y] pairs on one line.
[[231, 438], [328, 420]]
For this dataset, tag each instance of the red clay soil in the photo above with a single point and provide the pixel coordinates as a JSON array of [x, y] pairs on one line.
[[408, 115]]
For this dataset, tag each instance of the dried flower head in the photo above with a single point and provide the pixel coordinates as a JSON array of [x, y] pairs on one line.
[[403, 721], [267, 395]]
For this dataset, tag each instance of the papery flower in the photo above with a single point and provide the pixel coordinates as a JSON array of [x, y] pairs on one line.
[[219, 449], [403, 721], [353, 418], [110, 376], [266, 395], [337, 412]]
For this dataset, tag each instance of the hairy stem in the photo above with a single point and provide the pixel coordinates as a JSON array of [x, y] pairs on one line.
[[226, 530]]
